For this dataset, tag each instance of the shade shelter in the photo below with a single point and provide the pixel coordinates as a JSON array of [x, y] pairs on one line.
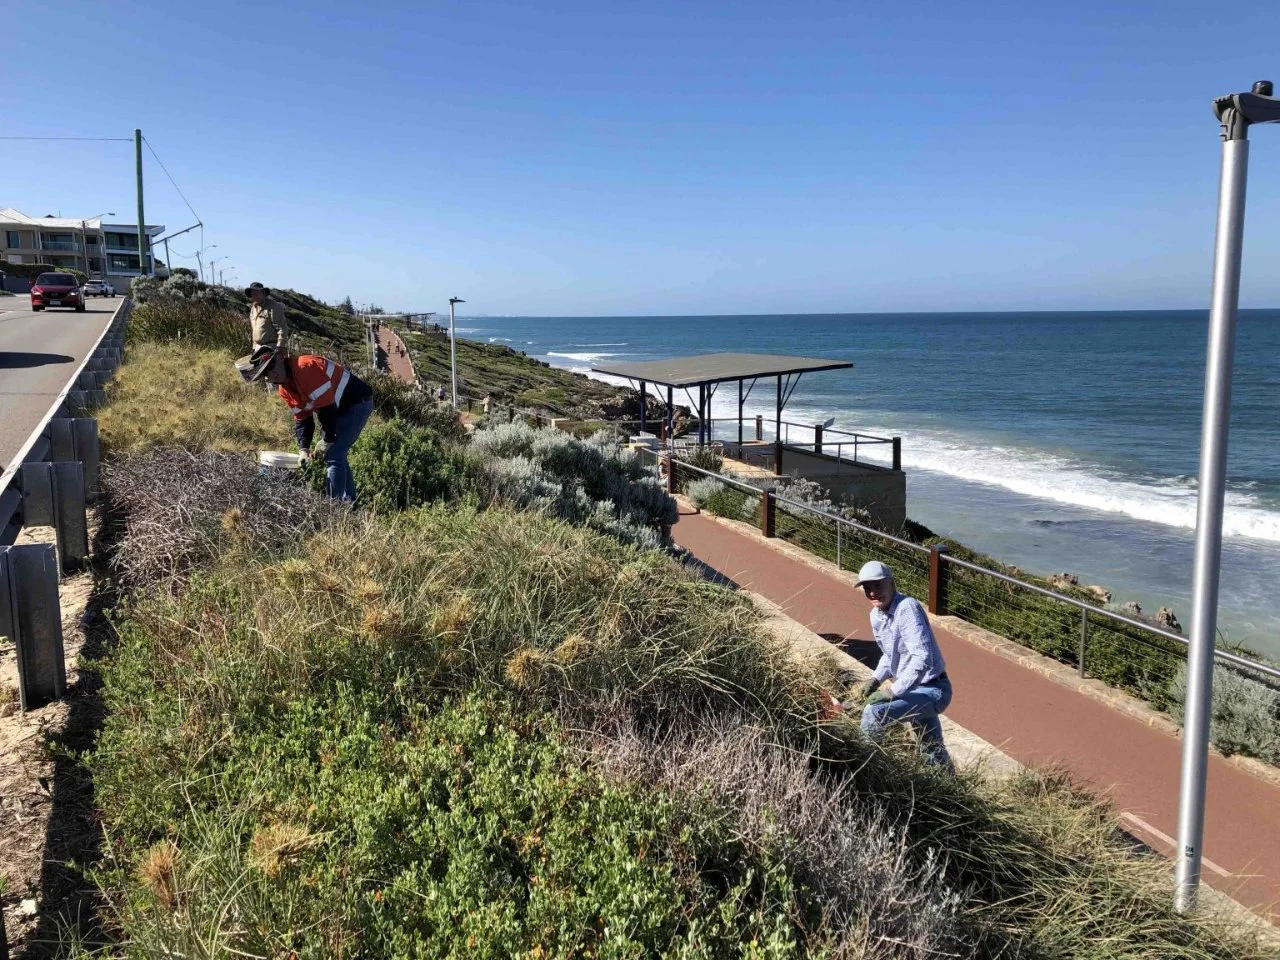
[[708, 371]]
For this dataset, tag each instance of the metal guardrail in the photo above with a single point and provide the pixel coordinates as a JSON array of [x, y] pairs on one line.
[[939, 558], [50, 482]]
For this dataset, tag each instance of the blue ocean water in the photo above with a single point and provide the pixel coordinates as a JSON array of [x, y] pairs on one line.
[[1056, 441]]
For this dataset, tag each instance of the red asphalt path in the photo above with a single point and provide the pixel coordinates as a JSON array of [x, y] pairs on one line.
[[1037, 721]]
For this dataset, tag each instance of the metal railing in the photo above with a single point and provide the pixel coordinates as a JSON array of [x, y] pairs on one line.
[[50, 482], [1102, 643]]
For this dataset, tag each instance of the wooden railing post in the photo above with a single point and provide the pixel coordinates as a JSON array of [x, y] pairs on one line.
[[759, 426], [777, 458], [768, 512], [817, 439], [897, 453], [937, 584], [671, 474]]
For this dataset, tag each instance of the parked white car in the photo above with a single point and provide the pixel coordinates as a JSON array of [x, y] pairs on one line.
[[99, 288]]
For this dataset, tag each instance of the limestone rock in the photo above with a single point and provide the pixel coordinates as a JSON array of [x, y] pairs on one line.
[[1102, 593], [1064, 579], [1131, 609], [1165, 617]]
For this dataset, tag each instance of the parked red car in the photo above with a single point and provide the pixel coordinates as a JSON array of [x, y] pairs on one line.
[[57, 290]]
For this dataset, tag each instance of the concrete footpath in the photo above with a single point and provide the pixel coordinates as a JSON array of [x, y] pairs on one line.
[[1031, 718]]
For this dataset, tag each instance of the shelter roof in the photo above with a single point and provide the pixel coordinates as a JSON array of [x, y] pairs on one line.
[[717, 368]]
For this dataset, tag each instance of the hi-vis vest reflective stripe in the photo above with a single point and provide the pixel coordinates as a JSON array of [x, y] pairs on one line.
[[319, 383]]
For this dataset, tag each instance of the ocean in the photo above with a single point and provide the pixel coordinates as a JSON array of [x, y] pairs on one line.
[[1053, 441]]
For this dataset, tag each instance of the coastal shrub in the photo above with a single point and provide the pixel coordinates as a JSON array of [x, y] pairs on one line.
[[1245, 714], [593, 482], [721, 499], [398, 466], [704, 458], [700, 489], [183, 286]]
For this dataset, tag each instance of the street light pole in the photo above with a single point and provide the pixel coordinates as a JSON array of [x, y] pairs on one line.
[[1237, 112], [453, 350]]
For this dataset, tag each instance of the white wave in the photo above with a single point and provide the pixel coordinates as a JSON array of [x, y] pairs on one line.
[[501, 340], [599, 344], [583, 357]]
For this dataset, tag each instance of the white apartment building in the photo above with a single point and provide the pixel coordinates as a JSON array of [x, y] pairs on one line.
[[99, 249]]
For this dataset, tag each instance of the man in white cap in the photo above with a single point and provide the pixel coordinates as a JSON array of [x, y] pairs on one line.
[[909, 654]]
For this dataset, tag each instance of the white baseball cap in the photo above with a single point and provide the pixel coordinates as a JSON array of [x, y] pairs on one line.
[[873, 570]]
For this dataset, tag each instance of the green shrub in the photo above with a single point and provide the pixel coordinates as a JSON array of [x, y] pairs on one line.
[[397, 465], [704, 458], [1245, 716]]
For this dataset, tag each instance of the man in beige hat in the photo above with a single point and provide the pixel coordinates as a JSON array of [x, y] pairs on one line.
[[270, 329]]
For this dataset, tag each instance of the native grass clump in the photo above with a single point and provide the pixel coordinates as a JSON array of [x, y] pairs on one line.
[[593, 482]]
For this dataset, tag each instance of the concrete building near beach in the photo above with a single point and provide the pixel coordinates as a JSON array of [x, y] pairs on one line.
[[99, 249]]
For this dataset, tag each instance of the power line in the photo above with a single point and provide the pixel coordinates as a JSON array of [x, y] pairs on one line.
[[99, 139], [171, 180]]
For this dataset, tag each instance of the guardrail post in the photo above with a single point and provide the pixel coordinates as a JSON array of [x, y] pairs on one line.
[[84, 432], [759, 426], [937, 586], [30, 614], [897, 453], [69, 519], [1084, 640], [768, 512], [817, 439], [671, 473]]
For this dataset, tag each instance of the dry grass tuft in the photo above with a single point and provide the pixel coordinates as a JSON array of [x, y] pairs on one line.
[[158, 872], [573, 648], [526, 667], [454, 615], [276, 846]]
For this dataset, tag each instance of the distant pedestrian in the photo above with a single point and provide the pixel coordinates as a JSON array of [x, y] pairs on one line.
[[486, 403], [266, 317], [317, 389], [440, 393], [920, 690]]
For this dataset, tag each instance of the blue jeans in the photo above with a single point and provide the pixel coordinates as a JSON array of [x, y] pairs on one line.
[[920, 705], [339, 482]]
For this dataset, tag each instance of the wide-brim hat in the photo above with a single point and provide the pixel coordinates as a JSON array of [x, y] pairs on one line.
[[254, 366], [256, 286]]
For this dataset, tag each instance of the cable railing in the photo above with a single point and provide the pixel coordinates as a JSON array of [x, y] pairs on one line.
[[1104, 644]]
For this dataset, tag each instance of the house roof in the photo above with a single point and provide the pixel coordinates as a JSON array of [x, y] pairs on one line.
[[718, 367], [10, 216]]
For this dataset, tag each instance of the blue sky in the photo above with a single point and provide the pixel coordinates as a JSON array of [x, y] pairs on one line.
[[664, 158]]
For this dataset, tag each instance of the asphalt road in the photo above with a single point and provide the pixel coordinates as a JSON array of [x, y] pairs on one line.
[[38, 354]]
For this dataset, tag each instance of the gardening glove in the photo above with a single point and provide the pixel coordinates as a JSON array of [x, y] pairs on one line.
[[879, 696], [868, 688], [305, 454]]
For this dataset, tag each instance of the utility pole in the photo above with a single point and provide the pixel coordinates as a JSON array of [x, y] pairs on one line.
[[142, 221], [168, 264], [453, 351], [1236, 112]]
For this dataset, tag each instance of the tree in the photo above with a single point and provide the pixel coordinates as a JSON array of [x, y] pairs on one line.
[[346, 306]]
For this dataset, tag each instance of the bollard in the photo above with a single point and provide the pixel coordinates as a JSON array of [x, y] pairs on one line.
[[759, 427], [817, 439], [937, 584], [777, 458], [768, 512], [671, 474], [30, 614]]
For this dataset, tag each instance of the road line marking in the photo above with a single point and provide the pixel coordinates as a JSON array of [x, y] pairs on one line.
[[1141, 824]]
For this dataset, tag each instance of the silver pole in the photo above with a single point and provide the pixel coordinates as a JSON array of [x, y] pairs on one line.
[[1208, 552], [453, 351]]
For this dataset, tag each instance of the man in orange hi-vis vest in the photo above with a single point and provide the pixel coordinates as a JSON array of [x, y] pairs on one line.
[[317, 389]]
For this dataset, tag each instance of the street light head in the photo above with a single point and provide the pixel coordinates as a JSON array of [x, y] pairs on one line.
[[456, 300], [1238, 111], [1263, 88]]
